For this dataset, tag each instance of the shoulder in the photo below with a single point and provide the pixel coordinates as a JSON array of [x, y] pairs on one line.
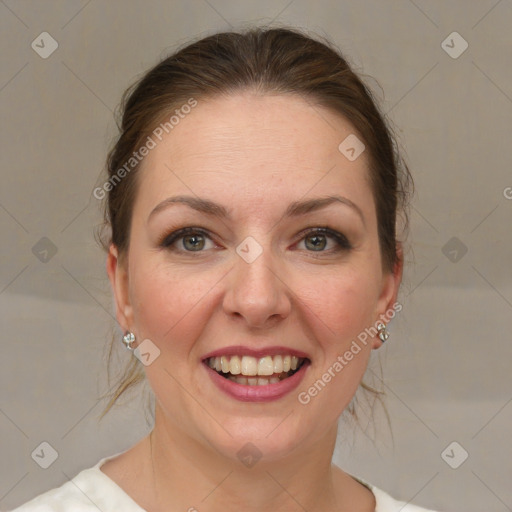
[[72, 495], [385, 503], [90, 490]]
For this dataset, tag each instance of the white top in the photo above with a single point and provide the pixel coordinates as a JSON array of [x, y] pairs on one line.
[[92, 490]]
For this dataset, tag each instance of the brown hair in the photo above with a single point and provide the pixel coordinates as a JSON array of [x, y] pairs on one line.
[[267, 60]]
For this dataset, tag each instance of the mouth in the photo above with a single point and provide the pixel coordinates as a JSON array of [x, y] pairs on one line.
[[250, 375], [256, 371]]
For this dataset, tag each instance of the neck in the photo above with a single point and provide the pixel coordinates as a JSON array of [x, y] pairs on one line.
[[189, 475]]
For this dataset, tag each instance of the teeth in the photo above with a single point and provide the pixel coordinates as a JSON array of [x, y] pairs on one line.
[[252, 381], [248, 366], [266, 366], [278, 364], [235, 366]]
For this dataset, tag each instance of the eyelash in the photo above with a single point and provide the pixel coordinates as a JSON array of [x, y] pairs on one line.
[[342, 242]]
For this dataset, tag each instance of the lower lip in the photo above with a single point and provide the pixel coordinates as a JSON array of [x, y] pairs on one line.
[[266, 393]]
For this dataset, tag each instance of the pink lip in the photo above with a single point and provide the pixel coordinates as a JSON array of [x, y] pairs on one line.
[[246, 393], [240, 350]]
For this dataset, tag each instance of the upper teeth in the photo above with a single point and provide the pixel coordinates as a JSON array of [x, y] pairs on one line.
[[250, 366]]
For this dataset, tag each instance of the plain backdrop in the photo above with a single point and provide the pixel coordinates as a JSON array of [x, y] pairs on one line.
[[446, 367]]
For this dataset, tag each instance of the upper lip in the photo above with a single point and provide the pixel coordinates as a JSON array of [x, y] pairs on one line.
[[240, 350]]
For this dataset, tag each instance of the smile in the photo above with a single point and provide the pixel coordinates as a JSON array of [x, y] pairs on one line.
[[253, 371]]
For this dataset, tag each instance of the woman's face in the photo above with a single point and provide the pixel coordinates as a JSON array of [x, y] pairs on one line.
[[251, 278]]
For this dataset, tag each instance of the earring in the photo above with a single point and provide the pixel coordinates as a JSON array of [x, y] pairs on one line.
[[128, 340], [383, 333]]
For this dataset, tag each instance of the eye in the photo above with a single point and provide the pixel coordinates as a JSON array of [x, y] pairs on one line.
[[192, 240], [195, 240], [316, 240]]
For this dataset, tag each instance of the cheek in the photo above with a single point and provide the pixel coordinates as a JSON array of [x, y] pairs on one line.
[[340, 310], [167, 304], [344, 303]]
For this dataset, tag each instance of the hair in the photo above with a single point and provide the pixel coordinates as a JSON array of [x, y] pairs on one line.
[[267, 61]]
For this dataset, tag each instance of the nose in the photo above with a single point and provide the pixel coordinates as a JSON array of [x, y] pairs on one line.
[[257, 291]]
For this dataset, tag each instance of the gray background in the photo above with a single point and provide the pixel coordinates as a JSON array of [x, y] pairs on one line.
[[447, 364]]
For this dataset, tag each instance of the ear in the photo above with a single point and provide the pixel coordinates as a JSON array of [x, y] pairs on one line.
[[117, 270], [389, 291]]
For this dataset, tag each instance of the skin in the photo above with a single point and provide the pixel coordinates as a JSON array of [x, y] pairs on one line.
[[254, 154]]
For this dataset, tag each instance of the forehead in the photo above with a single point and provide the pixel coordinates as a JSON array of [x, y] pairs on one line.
[[257, 148]]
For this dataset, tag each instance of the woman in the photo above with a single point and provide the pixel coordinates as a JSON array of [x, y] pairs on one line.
[[252, 198]]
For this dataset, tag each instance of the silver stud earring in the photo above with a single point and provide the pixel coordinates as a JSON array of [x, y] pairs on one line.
[[128, 340], [383, 333]]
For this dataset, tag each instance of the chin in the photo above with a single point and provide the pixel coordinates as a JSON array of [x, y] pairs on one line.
[[265, 439]]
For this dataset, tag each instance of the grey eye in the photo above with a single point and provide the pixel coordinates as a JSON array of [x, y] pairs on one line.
[[193, 242], [316, 242]]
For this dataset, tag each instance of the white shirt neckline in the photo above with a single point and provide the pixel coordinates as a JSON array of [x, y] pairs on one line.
[[384, 502], [91, 489]]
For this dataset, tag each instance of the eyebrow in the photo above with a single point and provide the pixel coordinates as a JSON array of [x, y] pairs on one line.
[[295, 209]]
